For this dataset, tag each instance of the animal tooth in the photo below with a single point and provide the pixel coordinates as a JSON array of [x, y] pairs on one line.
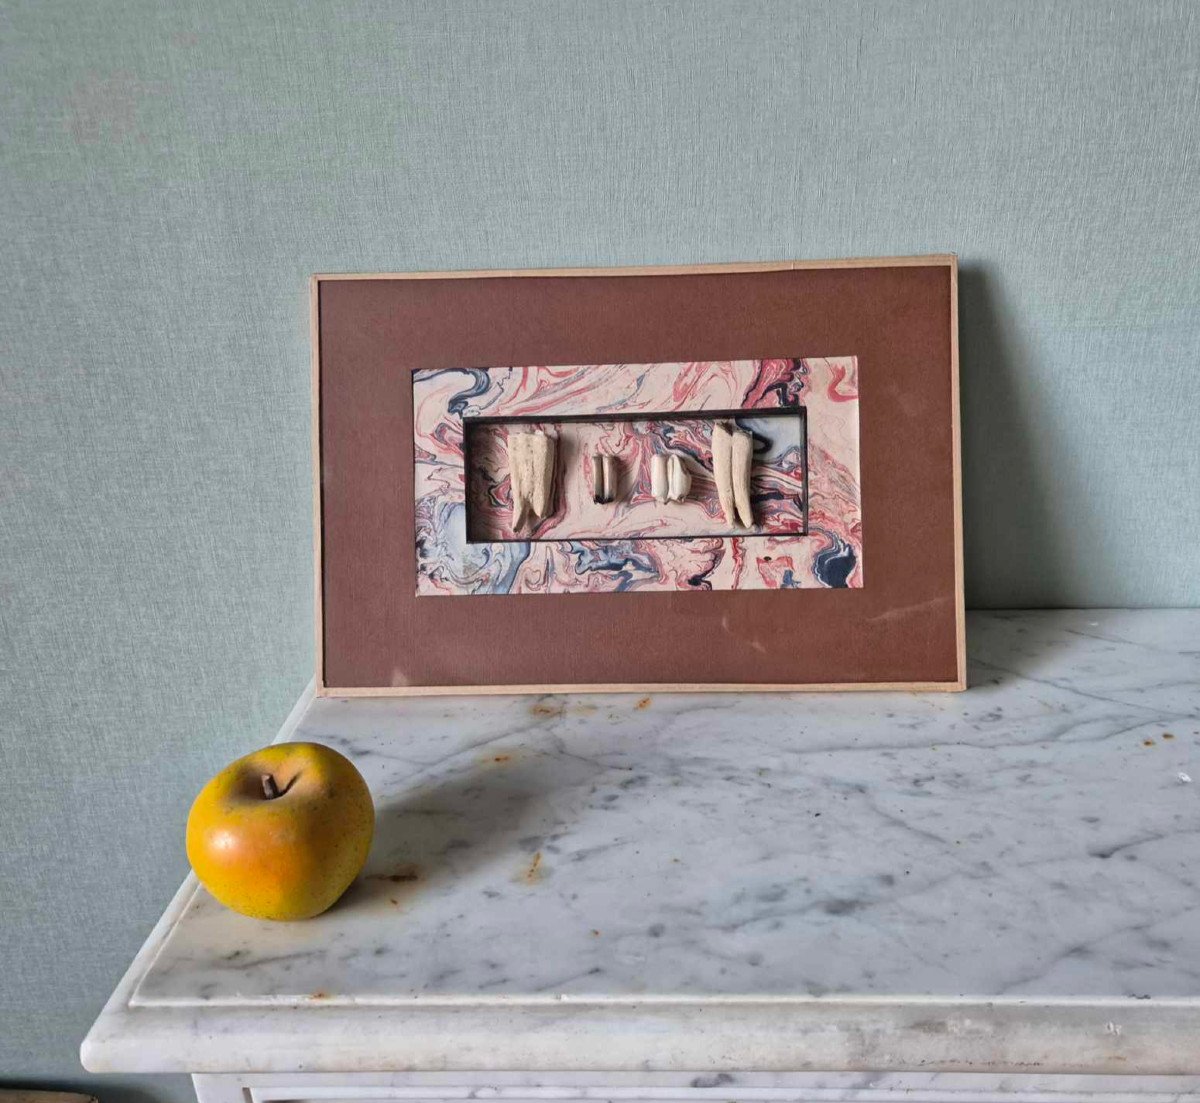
[[604, 479], [599, 483], [742, 452], [660, 483], [722, 460], [518, 470], [610, 477], [541, 473], [679, 481]]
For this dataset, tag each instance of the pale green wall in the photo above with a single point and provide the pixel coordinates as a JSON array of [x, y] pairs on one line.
[[173, 171]]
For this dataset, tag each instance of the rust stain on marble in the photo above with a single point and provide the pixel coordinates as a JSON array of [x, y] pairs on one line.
[[402, 875], [533, 872]]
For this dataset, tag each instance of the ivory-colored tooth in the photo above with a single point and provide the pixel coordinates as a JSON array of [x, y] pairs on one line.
[[541, 473], [679, 480], [741, 455], [604, 479], [660, 483], [518, 469], [722, 459], [599, 481], [610, 478]]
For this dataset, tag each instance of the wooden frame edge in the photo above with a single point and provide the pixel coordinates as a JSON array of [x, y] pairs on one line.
[[314, 323], [927, 261], [960, 604], [581, 688]]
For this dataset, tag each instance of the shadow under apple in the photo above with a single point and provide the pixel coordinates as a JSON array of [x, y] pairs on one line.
[[448, 829]]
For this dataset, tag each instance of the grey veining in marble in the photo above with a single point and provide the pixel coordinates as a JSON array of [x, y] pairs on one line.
[[1036, 837], [1001, 881]]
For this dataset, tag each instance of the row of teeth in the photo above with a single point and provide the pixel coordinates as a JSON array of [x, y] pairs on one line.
[[531, 475], [732, 454]]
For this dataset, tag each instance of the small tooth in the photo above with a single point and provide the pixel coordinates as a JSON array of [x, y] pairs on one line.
[[660, 485], [722, 444], [599, 483], [541, 473], [517, 477], [742, 452], [610, 478], [679, 479]]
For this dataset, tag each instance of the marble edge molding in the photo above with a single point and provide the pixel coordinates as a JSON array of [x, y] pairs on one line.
[[793, 1087], [855, 1037], [1053, 1036]]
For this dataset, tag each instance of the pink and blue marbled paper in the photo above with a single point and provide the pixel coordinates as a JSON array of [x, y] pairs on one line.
[[465, 544]]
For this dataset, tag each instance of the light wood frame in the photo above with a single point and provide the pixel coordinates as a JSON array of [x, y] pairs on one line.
[[959, 683]]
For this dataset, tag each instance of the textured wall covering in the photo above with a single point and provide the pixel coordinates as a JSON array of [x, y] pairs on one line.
[[173, 171]]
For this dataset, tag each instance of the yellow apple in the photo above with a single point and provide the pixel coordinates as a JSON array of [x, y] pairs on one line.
[[282, 832]]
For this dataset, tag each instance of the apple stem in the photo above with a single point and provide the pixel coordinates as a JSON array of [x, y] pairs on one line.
[[270, 789]]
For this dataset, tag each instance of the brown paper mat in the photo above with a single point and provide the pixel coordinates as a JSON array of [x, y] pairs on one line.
[[901, 627]]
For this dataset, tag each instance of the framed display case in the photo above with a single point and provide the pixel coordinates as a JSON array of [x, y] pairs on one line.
[[702, 478]]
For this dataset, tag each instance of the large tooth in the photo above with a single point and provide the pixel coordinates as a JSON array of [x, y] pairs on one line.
[[660, 483], [679, 481], [742, 452], [722, 444], [518, 473], [541, 473]]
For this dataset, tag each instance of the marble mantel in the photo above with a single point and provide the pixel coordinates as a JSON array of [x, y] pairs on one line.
[[1004, 881]]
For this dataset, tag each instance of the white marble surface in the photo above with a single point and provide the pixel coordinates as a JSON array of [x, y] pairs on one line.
[[1007, 878]]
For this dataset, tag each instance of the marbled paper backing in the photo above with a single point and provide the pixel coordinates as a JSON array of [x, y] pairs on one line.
[[805, 479]]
